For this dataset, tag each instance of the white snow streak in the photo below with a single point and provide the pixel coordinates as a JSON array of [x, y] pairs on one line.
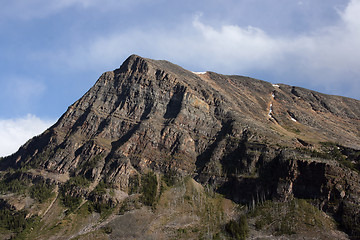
[[198, 73], [270, 111]]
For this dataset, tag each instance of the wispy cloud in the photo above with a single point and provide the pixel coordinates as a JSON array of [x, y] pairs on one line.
[[15, 132], [35, 9], [330, 55], [23, 91], [23, 9], [322, 55]]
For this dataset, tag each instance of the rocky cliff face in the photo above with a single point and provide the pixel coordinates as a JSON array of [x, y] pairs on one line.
[[249, 139]]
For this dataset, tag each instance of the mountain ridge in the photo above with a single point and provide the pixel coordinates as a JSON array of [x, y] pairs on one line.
[[248, 139]]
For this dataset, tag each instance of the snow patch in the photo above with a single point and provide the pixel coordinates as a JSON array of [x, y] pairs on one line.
[[276, 85], [270, 111], [198, 73]]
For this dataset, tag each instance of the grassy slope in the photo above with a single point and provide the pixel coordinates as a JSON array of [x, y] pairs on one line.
[[186, 210]]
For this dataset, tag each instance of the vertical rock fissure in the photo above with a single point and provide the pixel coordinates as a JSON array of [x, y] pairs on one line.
[[174, 106], [205, 157]]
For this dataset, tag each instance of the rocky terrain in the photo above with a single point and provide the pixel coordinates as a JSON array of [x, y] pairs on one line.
[[154, 151]]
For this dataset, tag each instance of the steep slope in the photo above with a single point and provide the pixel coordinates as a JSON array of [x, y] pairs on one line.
[[249, 139], [185, 113]]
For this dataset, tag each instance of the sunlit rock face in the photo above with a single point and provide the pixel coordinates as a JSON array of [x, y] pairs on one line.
[[249, 139]]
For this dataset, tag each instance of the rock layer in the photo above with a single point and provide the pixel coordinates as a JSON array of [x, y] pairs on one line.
[[249, 139]]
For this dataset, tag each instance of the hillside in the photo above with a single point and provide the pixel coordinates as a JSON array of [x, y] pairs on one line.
[[151, 140]]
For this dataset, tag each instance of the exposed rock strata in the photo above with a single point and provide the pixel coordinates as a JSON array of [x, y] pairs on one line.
[[219, 129]]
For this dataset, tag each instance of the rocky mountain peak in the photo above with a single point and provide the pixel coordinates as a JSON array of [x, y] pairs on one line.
[[248, 139], [135, 63]]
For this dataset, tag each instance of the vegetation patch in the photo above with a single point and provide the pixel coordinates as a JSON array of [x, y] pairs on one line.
[[77, 181], [104, 208], [149, 185], [129, 204], [101, 188], [238, 229], [68, 191], [92, 163], [287, 218], [41, 191], [347, 157], [71, 202], [15, 221], [12, 182], [192, 212], [11, 219], [134, 184], [98, 200], [170, 178]]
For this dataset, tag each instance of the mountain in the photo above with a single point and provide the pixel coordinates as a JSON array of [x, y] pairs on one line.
[[151, 140]]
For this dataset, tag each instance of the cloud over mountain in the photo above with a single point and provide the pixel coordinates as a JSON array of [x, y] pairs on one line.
[[326, 58], [15, 132]]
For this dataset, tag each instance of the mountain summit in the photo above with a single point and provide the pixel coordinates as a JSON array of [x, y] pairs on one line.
[[247, 139]]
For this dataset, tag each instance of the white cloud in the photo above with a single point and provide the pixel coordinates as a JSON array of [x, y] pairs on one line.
[[242, 47], [15, 132], [351, 15], [328, 56]]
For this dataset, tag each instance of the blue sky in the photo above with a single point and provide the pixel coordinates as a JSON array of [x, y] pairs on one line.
[[52, 52]]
